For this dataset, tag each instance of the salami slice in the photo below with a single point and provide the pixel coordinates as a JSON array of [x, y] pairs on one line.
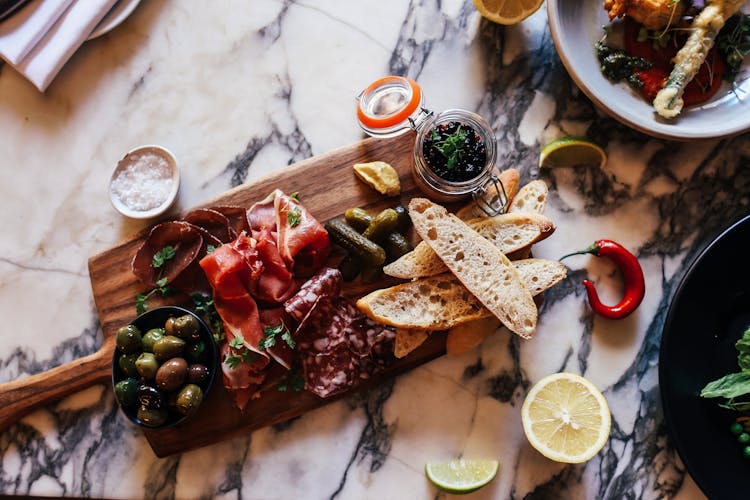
[[327, 283]]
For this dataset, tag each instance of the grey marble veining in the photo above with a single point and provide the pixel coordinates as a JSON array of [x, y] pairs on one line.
[[242, 89]]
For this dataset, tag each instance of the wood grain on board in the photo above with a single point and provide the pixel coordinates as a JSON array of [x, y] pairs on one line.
[[327, 187]]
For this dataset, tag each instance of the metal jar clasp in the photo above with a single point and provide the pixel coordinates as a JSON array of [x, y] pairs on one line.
[[491, 201]]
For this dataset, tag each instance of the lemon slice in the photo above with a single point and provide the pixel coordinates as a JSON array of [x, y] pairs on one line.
[[507, 11], [566, 418], [461, 476], [572, 152]]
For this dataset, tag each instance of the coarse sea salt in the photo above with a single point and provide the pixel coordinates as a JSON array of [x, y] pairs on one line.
[[144, 182]]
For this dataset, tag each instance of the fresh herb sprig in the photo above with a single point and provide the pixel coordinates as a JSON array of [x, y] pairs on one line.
[[734, 43], [294, 216], [204, 307], [141, 299], [162, 256], [241, 353], [292, 380], [734, 387], [272, 332], [452, 147]]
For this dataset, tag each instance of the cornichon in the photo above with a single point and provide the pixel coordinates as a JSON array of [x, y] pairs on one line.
[[357, 245], [404, 221], [358, 218], [350, 268], [396, 245], [382, 225]]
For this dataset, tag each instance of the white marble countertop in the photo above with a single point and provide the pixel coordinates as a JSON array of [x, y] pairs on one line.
[[238, 89]]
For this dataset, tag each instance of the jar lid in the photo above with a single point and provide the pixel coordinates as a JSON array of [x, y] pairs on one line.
[[389, 106]]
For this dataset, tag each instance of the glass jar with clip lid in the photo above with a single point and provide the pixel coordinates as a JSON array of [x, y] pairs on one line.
[[454, 152]]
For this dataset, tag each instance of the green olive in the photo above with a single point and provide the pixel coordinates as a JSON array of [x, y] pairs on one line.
[[147, 365], [189, 399], [128, 339], [196, 352], [168, 347], [127, 364], [150, 338], [152, 417], [126, 392], [185, 327], [171, 374]]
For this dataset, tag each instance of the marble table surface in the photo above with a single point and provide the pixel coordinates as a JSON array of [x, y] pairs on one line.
[[238, 89]]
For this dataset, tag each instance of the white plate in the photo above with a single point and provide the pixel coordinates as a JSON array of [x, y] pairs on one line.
[[116, 15], [577, 24]]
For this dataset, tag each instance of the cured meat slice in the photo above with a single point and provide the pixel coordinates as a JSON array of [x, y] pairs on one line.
[[237, 217], [303, 241], [331, 372], [273, 320], [275, 284], [327, 283], [263, 213], [213, 222], [184, 238]]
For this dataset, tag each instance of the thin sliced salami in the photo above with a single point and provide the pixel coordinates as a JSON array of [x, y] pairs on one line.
[[327, 283]]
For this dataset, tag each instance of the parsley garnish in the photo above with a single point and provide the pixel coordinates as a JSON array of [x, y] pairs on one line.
[[241, 353], [294, 216], [734, 43], [295, 196], [141, 299], [271, 332], [162, 256], [204, 306], [452, 147], [292, 380], [211, 248]]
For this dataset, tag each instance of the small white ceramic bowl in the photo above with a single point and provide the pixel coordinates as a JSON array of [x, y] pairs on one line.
[[577, 24], [155, 153]]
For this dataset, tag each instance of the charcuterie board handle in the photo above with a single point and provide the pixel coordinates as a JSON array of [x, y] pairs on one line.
[[20, 397]]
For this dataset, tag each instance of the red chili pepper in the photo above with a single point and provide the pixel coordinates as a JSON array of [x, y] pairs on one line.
[[635, 286]]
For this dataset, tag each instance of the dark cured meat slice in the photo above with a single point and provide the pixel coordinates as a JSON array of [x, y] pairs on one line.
[[237, 217], [183, 237], [326, 283], [213, 222], [193, 279]]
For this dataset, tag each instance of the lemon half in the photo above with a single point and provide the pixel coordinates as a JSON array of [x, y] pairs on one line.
[[507, 11], [566, 418]]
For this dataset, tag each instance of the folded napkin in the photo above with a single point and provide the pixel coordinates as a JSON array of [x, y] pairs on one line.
[[38, 43]]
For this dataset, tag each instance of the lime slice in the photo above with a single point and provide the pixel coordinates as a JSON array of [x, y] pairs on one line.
[[572, 152], [461, 476]]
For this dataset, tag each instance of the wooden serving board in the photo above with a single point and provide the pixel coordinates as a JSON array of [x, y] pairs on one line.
[[327, 187]]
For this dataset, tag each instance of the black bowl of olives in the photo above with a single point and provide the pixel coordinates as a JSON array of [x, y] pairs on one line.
[[163, 367]]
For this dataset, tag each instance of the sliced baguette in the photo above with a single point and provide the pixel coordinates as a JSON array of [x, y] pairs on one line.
[[442, 302], [509, 232], [466, 336], [407, 340], [509, 178], [532, 197], [483, 269]]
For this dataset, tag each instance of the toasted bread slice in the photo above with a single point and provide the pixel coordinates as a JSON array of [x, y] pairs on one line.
[[510, 179], [509, 232], [442, 302], [483, 269], [466, 336], [407, 340], [532, 197]]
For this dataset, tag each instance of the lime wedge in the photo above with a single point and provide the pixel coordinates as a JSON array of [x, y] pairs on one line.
[[461, 476], [572, 152]]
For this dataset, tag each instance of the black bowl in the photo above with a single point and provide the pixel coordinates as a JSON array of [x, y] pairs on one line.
[[155, 318]]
